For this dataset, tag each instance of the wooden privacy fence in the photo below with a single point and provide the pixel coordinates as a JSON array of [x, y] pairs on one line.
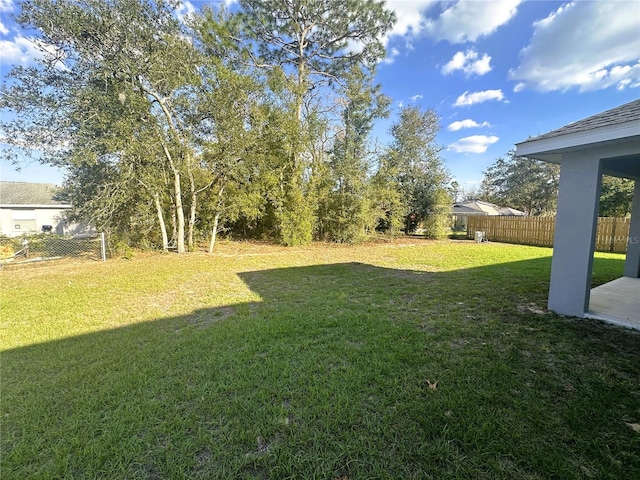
[[612, 234]]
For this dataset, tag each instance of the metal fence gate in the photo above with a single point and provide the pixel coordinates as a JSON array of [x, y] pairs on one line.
[[47, 247]]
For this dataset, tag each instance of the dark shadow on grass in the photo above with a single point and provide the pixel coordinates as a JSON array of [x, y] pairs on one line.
[[342, 371]]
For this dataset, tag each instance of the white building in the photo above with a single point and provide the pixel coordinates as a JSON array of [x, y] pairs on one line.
[[28, 208], [461, 211]]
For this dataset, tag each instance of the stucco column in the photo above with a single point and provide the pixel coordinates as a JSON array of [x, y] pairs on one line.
[[574, 238], [632, 263]]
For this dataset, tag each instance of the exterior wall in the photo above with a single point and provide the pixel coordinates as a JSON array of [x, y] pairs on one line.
[[571, 267], [461, 220], [632, 262], [5, 222], [42, 216], [79, 229]]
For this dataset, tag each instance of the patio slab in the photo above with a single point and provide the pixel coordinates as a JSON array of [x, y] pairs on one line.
[[617, 302]]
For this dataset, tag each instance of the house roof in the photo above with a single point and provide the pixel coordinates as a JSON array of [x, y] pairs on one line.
[[478, 207], [615, 132], [25, 194], [616, 116]]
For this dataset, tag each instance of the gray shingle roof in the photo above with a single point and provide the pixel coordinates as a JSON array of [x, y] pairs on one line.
[[24, 193], [622, 114], [480, 207]]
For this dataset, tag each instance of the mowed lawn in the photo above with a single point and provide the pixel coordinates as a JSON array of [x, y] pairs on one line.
[[400, 360]]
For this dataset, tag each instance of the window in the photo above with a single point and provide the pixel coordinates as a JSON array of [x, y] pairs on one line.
[[24, 220]]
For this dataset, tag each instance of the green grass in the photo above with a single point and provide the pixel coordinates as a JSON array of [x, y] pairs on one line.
[[317, 362]]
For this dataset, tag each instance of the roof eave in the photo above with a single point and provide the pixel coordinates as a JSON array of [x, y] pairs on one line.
[[550, 148]]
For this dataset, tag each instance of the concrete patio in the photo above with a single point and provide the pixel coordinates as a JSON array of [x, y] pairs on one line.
[[617, 302]]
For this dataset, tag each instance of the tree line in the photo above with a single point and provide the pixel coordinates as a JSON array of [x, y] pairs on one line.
[[532, 186], [174, 127]]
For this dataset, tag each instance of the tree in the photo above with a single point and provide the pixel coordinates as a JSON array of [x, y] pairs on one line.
[[616, 195], [472, 192], [311, 40], [313, 37], [522, 183], [532, 186], [412, 166], [224, 120], [348, 210], [118, 84]]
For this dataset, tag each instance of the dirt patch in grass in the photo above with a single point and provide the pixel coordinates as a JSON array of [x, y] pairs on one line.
[[532, 308]]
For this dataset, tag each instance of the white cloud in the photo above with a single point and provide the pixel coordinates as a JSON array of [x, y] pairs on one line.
[[391, 56], [6, 6], [456, 21], [24, 51], [467, 98], [400, 104], [416, 97], [473, 144], [19, 51], [583, 45], [468, 123], [409, 16], [468, 20], [469, 63]]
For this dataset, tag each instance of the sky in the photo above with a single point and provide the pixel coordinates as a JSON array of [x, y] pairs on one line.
[[496, 71]]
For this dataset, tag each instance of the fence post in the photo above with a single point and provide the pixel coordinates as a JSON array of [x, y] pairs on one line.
[[613, 235], [103, 247]]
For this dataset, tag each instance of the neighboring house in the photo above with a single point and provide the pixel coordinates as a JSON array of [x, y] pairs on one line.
[[462, 210], [28, 208]]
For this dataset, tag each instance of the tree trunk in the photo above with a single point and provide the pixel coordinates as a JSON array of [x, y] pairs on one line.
[[177, 191], [179, 211], [174, 223], [163, 227], [192, 212], [216, 220], [214, 232]]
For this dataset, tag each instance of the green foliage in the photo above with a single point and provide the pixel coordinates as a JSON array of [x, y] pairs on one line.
[[172, 127], [311, 39], [295, 219], [616, 195], [532, 186], [313, 36], [522, 183], [437, 220], [124, 250], [129, 71], [348, 208], [413, 167]]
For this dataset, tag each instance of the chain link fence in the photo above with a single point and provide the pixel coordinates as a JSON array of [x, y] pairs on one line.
[[48, 247]]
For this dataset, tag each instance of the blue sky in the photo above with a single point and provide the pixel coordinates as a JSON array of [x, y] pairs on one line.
[[495, 71]]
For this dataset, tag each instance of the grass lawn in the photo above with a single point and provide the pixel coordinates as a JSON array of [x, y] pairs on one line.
[[410, 359]]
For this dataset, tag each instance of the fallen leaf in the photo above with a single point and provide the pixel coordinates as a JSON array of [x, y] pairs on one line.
[[586, 471], [432, 386], [634, 426]]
